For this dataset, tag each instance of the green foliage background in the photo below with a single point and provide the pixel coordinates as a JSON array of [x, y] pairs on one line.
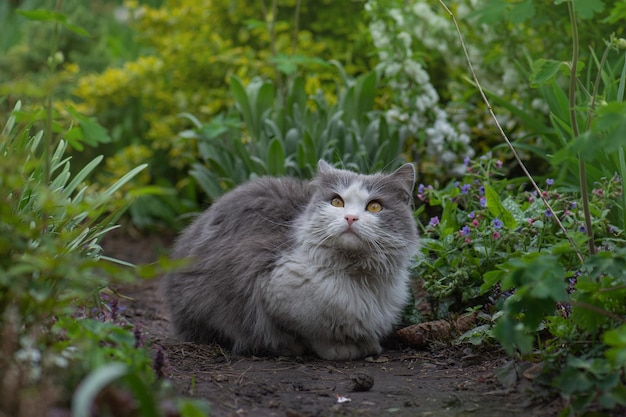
[[211, 93]]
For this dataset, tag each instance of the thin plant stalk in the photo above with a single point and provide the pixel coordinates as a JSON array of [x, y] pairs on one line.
[[270, 22], [505, 137], [48, 137], [622, 158], [296, 27], [582, 168]]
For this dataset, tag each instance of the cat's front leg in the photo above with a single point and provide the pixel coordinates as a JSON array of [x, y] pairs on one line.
[[332, 350]]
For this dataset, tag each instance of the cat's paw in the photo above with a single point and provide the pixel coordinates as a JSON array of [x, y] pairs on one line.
[[345, 351]]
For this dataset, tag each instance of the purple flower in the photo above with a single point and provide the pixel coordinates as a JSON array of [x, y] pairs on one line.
[[467, 160], [572, 205], [583, 229], [481, 190], [497, 223], [465, 188], [471, 215], [548, 213], [498, 164], [420, 188], [465, 231], [434, 221], [549, 181], [483, 202]]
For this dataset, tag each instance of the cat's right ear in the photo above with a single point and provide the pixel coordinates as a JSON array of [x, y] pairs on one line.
[[324, 167], [405, 177]]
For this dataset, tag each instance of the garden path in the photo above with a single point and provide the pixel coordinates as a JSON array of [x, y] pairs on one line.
[[441, 382]]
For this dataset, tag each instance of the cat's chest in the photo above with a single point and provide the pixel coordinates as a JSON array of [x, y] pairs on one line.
[[304, 292], [324, 275]]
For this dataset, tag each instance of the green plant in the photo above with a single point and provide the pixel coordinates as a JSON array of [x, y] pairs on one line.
[[58, 326], [194, 49], [556, 302], [274, 136]]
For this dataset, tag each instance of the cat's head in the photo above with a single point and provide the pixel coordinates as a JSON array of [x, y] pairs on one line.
[[357, 212]]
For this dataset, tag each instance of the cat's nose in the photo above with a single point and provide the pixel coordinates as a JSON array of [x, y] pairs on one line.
[[351, 218]]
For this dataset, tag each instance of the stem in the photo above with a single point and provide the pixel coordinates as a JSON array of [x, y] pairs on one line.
[[598, 310], [596, 87], [271, 29], [505, 137], [296, 27], [582, 168], [52, 64]]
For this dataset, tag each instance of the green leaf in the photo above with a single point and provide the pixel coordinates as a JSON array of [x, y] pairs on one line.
[[288, 64], [207, 181], [93, 132], [522, 11], [95, 382], [193, 408], [606, 135], [573, 380], [51, 16], [276, 158], [497, 209], [544, 71], [119, 183], [365, 95], [586, 9], [241, 99], [81, 176], [144, 397], [512, 335], [264, 100], [491, 13]]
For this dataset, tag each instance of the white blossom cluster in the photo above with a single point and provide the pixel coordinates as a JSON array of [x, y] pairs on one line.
[[416, 103]]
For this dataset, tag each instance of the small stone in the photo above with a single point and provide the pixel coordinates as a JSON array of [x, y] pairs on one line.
[[362, 382]]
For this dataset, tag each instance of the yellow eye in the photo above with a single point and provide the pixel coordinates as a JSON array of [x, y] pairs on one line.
[[337, 202], [374, 207]]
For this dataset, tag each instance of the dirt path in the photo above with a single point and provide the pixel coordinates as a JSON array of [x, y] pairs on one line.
[[404, 382]]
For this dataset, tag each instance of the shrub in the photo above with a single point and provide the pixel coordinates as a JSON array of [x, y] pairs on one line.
[[551, 271], [289, 136], [196, 46]]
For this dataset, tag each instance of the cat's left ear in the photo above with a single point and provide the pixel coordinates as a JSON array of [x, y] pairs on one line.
[[324, 167], [405, 177]]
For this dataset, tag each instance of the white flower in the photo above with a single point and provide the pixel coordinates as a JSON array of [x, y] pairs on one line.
[[392, 69], [510, 78], [406, 39], [415, 71], [397, 16]]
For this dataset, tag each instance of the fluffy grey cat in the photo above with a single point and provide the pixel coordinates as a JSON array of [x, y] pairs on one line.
[[283, 266]]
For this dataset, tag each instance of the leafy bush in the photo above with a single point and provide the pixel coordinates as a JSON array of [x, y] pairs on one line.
[[288, 136], [196, 47], [53, 283], [25, 54], [63, 341], [546, 264]]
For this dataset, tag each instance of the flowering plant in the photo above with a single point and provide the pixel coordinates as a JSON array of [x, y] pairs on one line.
[[479, 222]]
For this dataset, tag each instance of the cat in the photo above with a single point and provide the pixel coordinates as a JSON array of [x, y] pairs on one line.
[[282, 266]]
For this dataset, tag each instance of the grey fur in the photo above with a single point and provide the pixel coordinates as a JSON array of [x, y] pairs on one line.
[[271, 272]]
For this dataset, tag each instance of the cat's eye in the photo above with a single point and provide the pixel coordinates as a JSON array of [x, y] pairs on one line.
[[374, 206], [337, 202]]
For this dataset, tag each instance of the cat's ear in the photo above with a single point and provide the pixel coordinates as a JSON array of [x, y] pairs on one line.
[[324, 167], [405, 176]]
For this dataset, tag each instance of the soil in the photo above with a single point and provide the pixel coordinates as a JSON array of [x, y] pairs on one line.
[[441, 381]]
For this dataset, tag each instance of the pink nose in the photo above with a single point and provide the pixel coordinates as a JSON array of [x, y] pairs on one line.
[[350, 218]]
